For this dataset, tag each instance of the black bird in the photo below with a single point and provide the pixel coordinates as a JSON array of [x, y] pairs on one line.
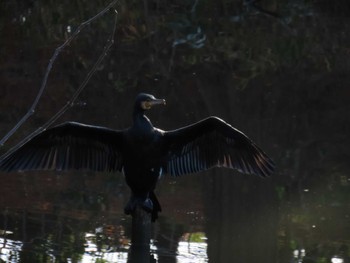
[[142, 152]]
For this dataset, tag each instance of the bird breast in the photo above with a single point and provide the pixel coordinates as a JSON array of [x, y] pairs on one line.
[[143, 147]]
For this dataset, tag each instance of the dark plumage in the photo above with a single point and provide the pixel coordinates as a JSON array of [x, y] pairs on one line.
[[142, 152]]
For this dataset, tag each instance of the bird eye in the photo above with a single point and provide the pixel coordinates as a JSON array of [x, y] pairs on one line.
[[146, 105]]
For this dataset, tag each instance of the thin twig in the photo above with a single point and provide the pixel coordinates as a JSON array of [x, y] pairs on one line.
[[76, 94], [48, 70], [70, 103]]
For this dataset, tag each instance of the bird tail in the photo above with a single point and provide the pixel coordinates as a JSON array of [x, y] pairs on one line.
[[156, 206]]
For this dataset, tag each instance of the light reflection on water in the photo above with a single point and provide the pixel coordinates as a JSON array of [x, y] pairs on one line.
[[300, 255], [192, 252], [9, 250], [336, 259], [187, 252], [92, 252], [121, 257], [54, 217]]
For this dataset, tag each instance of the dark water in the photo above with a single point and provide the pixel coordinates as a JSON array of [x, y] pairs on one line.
[[217, 216], [279, 76]]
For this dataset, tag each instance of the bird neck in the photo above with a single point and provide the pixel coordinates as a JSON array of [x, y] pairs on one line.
[[141, 120]]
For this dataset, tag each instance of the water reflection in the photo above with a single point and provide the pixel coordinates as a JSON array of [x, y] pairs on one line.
[[192, 252], [47, 217], [13, 251], [337, 259], [9, 250]]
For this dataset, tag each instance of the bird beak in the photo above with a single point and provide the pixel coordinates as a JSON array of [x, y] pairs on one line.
[[158, 102]]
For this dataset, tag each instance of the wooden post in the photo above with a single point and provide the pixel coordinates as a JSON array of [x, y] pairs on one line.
[[140, 237]]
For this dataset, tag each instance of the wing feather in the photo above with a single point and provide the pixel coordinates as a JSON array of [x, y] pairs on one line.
[[69, 146], [213, 143]]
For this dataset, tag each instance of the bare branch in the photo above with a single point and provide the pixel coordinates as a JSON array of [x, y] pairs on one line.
[[49, 67], [70, 103]]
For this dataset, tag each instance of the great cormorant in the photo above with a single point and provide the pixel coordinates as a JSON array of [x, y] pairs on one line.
[[142, 152]]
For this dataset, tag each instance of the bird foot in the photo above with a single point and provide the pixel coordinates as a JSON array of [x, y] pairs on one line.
[[145, 204]]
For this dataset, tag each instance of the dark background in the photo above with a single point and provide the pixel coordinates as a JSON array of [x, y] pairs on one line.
[[277, 70]]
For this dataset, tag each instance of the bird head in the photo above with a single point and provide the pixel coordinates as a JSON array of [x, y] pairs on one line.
[[147, 101]]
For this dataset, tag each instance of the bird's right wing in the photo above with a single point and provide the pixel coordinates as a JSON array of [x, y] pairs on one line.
[[69, 146]]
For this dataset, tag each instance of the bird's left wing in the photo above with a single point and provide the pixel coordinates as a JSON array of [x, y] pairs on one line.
[[213, 143], [69, 146]]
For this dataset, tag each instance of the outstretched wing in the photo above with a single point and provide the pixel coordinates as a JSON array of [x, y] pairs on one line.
[[69, 146], [213, 143]]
